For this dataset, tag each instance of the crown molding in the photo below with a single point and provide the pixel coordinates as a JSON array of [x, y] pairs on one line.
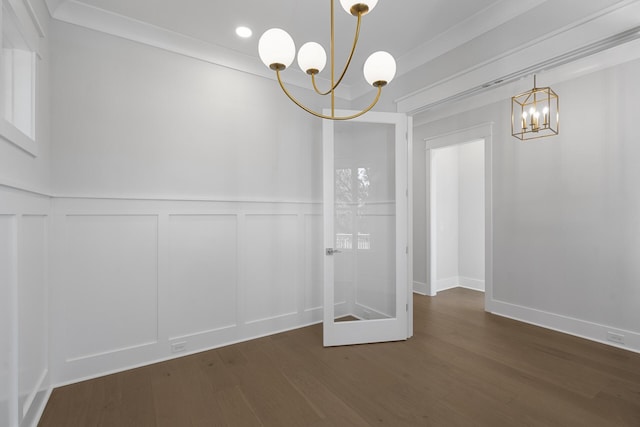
[[485, 20], [612, 57], [596, 27], [78, 13], [541, 54], [94, 18]]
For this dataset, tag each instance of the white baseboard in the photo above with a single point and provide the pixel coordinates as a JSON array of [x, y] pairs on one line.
[[450, 283], [469, 283], [459, 282], [568, 325], [447, 283], [32, 417], [420, 288]]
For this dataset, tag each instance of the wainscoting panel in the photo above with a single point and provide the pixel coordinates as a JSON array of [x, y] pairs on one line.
[[8, 323], [32, 308], [272, 265], [24, 305], [140, 281], [203, 270], [111, 282], [314, 253]]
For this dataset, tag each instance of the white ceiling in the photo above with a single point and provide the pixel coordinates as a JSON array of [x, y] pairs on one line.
[[432, 40], [394, 25]]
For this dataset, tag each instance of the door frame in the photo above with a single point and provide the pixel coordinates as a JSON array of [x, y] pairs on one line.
[[367, 332], [485, 132]]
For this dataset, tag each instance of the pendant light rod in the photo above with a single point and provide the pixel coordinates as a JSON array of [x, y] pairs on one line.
[[333, 58], [277, 51]]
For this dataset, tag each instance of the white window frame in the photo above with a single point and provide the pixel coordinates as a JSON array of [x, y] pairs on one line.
[[18, 74]]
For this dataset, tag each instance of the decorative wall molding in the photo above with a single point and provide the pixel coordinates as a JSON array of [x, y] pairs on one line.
[[24, 272], [573, 42], [94, 18], [565, 324], [611, 57], [181, 198], [88, 16], [487, 19], [459, 136], [240, 266]]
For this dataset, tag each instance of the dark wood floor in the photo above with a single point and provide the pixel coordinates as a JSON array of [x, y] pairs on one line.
[[463, 367]]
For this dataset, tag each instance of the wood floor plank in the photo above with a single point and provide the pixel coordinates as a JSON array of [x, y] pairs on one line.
[[137, 405], [171, 406], [236, 409], [276, 402], [463, 367]]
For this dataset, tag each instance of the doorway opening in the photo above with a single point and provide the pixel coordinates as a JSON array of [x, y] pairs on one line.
[[457, 216], [467, 261]]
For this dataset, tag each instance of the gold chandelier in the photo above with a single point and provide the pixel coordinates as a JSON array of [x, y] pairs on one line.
[[277, 50], [535, 113]]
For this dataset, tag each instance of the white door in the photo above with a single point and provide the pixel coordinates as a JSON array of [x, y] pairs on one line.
[[365, 169]]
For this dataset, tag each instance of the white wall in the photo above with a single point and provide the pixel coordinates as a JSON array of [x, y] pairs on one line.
[[565, 209], [471, 215], [136, 121], [446, 174], [458, 185], [24, 239], [187, 208]]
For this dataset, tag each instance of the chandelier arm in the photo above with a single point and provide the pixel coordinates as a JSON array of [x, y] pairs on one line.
[[346, 67], [323, 116], [315, 86]]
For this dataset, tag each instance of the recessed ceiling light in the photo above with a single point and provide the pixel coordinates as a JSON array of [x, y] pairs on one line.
[[244, 32]]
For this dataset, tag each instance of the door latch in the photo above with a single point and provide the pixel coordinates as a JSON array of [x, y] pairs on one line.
[[331, 251]]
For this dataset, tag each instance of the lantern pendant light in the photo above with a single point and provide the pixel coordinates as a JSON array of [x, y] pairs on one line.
[[277, 50], [535, 113]]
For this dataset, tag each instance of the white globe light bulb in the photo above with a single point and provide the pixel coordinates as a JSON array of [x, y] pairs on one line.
[[347, 5], [380, 68], [276, 47], [312, 57]]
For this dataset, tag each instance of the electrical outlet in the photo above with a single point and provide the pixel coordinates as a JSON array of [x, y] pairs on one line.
[[614, 337], [177, 347]]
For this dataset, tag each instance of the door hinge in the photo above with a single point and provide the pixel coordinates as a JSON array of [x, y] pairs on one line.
[[407, 307], [406, 250]]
